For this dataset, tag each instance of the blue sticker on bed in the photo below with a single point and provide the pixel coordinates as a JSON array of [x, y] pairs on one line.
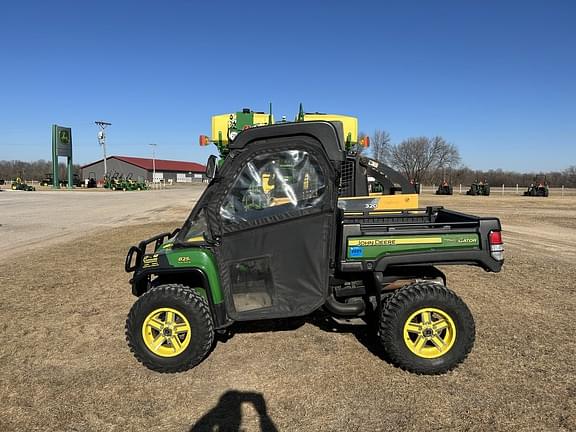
[[356, 252]]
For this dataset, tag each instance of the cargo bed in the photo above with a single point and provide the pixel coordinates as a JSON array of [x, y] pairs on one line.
[[375, 241]]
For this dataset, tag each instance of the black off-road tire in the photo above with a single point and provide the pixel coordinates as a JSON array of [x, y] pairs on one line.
[[192, 306], [406, 301]]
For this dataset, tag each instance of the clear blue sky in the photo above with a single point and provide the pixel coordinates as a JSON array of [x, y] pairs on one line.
[[497, 78]]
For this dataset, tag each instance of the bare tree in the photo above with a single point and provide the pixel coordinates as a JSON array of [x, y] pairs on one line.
[[35, 170], [380, 144], [570, 176], [420, 158]]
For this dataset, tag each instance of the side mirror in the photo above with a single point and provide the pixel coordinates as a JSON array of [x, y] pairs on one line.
[[211, 167]]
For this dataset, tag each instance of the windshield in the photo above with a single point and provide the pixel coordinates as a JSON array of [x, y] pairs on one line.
[[196, 228]]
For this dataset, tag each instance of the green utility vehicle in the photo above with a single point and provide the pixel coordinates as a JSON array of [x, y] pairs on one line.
[[247, 254]]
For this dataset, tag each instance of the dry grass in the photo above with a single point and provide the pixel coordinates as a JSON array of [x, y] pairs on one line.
[[66, 366]]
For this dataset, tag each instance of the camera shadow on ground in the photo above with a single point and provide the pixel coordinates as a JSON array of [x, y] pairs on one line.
[[229, 414]]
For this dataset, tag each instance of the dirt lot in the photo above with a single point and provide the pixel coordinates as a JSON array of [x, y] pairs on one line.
[[66, 366], [35, 219]]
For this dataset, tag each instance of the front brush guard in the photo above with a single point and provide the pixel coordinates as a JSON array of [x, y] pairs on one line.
[[140, 250]]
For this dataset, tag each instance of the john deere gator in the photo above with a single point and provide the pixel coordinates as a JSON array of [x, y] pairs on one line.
[[246, 254]]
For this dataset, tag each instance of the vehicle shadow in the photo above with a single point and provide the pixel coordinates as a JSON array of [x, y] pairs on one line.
[[226, 416], [268, 325], [364, 333]]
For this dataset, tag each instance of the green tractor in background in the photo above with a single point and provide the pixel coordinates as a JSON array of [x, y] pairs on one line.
[[113, 181], [444, 188], [538, 188], [128, 184], [47, 180], [479, 188], [18, 184], [117, 181]]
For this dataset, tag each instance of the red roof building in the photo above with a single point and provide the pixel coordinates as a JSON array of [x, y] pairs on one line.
[[143, 169]]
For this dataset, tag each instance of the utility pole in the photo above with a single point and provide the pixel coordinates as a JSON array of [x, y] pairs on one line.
[[102, 140], [153, 161]]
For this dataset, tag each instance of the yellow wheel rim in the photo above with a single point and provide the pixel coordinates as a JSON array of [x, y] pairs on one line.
[[429, 333], [166, 332]]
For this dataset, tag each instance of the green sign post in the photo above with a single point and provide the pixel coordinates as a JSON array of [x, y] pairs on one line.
[[61, 146]]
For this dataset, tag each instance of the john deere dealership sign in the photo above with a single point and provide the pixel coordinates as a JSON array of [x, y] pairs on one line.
[[61, 146], [63, 141]]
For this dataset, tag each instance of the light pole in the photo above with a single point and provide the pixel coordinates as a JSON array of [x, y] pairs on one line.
[[153, 162], [102, 139]]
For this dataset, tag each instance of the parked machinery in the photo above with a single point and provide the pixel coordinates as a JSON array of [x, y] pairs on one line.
[[130, 184], [112, 181], [479, 188], [18, 184], [117, 181], [47, 180], [445, 188], [538, 188], [91, 182]]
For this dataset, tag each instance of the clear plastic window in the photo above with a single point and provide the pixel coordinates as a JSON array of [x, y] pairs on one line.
[[197, 228], [251, 284], [272, 184]]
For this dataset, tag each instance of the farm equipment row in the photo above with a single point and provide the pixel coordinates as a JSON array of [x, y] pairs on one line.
[[482, 188], [117, 181], [48, 180]]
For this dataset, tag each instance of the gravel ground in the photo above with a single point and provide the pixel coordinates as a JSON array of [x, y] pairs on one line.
[[35, 219]]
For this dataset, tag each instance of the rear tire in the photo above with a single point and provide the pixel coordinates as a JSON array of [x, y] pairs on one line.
[[426, 328], [151, 333]]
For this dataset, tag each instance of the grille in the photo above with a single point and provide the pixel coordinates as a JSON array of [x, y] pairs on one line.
[[347, 178]]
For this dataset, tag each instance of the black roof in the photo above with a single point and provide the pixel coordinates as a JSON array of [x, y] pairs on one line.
[[329, 134]]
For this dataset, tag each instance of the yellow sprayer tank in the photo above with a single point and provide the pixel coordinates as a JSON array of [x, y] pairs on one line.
[[349, 123]]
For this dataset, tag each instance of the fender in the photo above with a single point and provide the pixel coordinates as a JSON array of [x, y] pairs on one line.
[[190, 266]]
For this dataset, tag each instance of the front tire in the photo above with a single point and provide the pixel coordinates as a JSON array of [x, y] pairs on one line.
[[426, 328], [169, 328]]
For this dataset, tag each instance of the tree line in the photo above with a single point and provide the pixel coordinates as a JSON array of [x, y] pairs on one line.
[[36, 170], [431, 160], [422, 159]]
